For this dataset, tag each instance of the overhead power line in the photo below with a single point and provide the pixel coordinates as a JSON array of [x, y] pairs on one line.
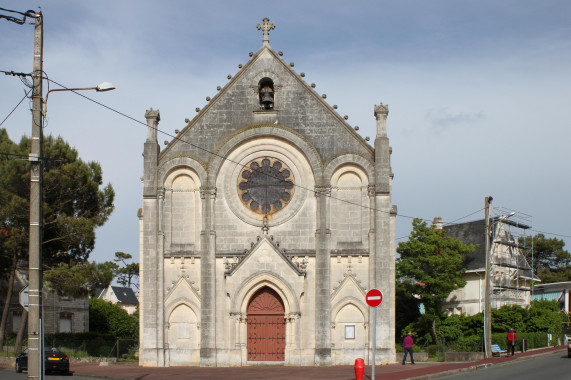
[[174, 137], [14, 109]]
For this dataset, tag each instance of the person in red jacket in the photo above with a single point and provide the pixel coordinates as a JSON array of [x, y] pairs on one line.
[[407, 345], [511, 337]]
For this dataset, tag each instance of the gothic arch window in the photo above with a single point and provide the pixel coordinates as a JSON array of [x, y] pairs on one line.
[[266, 93], [349, 200], [182, 328]]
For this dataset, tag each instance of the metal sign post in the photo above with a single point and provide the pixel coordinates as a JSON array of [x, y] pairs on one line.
[[374, 298]]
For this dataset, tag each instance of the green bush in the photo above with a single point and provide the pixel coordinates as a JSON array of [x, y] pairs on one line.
[[88, 342], [432, 350], [533, 340], [111, 319], [399, 348], [473, 343], [463, 333]]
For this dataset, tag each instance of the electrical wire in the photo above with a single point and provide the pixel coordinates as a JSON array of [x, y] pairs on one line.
[[464, 217], [213, 153], [19, 156], [551, 233], [14, 109], [28, 13], [176, 138]]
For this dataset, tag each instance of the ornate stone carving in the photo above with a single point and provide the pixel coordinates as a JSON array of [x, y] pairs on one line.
[[323, 191], [265, 27], [371, 190], [229, 264], [301, 264], [381, 110]]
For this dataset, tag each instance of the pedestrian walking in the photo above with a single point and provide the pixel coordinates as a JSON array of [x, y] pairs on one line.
[[511, 337], [407, 344]]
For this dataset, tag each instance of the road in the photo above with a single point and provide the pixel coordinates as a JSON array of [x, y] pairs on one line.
[[551, 366], [10, 374]]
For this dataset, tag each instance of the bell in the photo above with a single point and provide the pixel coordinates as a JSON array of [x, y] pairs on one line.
[[267, 97]]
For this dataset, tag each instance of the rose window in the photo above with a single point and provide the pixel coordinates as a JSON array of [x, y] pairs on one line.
[[265, 185]]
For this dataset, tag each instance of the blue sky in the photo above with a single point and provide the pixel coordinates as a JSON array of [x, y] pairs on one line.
[[478, 91]]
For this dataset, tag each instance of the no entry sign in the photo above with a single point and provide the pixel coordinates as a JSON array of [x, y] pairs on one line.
[[374, 297]]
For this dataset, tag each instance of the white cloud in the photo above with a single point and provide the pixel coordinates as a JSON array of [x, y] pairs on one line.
[[442, 119]]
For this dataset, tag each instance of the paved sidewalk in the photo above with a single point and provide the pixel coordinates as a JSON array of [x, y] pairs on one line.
[[386, 372]]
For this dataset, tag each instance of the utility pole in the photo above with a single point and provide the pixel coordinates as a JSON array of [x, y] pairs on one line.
[[35, 333], [488, 293]]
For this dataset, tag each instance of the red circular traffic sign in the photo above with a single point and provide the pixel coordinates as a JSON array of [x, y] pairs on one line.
[[374, 297]]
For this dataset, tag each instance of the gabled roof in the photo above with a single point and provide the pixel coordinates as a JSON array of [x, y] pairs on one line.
[[470, 233], [125, 295], [204, 114], [277, 251], [475, 233]]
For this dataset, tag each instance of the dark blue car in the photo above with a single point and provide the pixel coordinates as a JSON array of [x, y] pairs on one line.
[[55, 361]]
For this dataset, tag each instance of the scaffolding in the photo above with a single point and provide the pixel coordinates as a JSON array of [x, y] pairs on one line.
[[512, 276]]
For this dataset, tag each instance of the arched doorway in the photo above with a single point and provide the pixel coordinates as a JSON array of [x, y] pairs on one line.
[[266, 326]]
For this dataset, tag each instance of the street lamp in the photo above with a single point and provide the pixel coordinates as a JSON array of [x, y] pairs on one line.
[[35, 321], [102, 87]]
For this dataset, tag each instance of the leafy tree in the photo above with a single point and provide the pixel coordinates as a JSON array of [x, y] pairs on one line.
[[407, 309], [560, 275], [80, 280], [14, 217], [430, 266], [107, 318], [126, 272], [75, 202], [551, 261], [507, 317], [544, 316]]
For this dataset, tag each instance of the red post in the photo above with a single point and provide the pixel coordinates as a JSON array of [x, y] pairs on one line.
[[359, 368]]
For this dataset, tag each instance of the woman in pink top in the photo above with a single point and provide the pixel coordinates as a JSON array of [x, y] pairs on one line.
[[407, 345]]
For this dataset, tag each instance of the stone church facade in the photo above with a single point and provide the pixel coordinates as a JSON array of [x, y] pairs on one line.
[[264, 223]]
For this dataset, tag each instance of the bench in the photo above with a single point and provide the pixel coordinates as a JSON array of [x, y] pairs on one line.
[[497, 351]]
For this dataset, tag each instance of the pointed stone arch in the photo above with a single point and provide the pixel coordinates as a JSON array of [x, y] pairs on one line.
[[288, 135], [182, 331], [255, 282]]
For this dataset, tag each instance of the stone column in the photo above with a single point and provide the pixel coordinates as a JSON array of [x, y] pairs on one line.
[[244, 337], [384, 260], [151, 327], [372, 235], [322, 280], [207, 282]]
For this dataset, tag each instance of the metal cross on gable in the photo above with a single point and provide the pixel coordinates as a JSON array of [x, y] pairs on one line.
[[265, 27]]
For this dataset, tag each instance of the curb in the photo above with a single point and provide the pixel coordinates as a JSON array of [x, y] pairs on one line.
[[451, 372], [479, 366]]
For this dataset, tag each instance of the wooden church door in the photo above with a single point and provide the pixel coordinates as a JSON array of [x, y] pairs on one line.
[[266, 326]]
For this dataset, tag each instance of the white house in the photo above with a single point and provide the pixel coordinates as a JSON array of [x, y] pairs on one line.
[[124, 297], [511, 274]]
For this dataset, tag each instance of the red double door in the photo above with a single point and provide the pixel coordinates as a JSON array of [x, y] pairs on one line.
[[266, 327]]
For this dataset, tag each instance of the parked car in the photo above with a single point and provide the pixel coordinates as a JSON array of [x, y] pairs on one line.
[[55, 361], [569, 348]]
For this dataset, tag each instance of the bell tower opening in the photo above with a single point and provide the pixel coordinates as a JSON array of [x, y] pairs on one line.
[[266, 93]]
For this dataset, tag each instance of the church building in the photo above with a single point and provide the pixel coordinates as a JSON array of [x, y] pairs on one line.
[[264, 223]]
